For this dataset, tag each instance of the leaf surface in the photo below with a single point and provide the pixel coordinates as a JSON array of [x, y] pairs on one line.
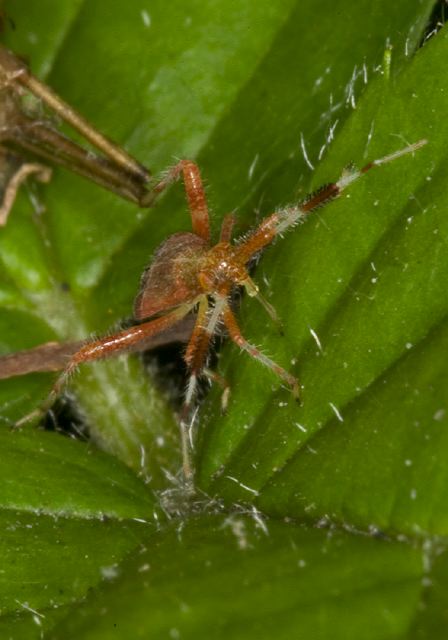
[[213, 573], [68, 517], [377, 308]]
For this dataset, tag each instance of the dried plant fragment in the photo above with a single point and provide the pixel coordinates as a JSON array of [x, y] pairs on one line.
[[28, 130]]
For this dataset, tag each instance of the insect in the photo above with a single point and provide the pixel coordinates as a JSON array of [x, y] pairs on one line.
[[25, 130], [190, 274]]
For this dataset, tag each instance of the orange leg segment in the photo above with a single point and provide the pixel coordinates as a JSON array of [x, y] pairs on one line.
[[111, 345], [237, 337], [227, 227], [195, 358], [197, 202]]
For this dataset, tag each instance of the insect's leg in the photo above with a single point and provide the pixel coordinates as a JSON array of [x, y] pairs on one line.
[[237, 337], [53, 356], [42, 173], [283, 219], [352, 174], [291, 215], [196, 358], [52, 396], [227, 227], [222, 382], [114, 344], [194, 189]]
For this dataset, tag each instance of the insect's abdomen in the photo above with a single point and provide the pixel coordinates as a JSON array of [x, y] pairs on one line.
[[170, 280]]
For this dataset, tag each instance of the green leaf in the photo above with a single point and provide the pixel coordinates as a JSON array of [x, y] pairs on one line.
[[64, 477], [213, 574], [49, 564], [370, 276], [249, 89], [68, 517]]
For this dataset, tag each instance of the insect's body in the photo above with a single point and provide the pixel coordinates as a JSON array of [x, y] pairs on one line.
[[171, 278], [189, 274], [221, 268]]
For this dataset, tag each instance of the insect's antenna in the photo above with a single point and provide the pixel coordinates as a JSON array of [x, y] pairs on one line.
[[254, 292], [350, 176]]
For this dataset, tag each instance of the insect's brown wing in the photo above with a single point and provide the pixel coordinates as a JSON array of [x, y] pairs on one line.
[[171, 278]]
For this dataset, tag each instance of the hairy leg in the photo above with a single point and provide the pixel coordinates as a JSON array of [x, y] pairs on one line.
[[194, 189], [115, 344], [196, 359], [237, 337]]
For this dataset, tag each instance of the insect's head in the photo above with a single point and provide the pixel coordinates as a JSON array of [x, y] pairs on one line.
[[221, 268]]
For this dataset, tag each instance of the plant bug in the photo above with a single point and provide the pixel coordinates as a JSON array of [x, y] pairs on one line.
[[191, 275]]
